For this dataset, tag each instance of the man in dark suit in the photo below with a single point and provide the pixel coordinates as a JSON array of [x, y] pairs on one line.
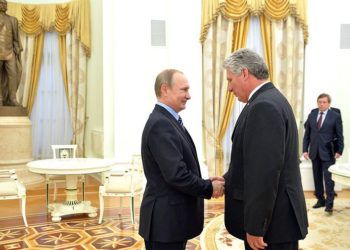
[[323, 144], [264, 199], [172, 209]]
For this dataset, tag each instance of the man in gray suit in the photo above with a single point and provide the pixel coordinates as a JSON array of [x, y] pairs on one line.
[[264, 199], [323, 143]]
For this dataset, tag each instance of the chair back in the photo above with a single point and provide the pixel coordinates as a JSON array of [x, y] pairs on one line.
[[125, 177], [64, 151], [10, 187]]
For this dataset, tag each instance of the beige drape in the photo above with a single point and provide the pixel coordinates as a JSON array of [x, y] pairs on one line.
[[277, 18], [37, 18], [76, 61], [34, 79], [265, 27], [237, 9], [217, 102], [63, 60], [72, 22], [288, 61]]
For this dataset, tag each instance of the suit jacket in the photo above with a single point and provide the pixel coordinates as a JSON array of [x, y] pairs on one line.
[[263, 190], [172, 206], [327, 140]]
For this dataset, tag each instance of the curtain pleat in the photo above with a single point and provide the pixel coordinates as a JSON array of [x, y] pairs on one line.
[[239, 12], [70, 20], [76, 74], [38, 18], [215, 49], [217, 101], [33, 85], [238, 9], [265, 27], [63, 61], [240, 35]]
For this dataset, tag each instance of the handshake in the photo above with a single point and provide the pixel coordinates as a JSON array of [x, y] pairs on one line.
[[218, 183]]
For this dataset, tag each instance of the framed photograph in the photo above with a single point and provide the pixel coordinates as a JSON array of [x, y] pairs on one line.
[[65, 153]]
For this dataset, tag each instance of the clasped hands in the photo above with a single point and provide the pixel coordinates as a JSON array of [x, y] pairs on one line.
[[218, 183]]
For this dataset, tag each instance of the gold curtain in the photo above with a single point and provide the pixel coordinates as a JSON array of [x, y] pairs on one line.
[[76, 76], [239, 12], [237, 9], [240, 35], [71, 21], [215, 49], [63, 61], [37, 18], [33, 84], [224, 37], [265, 27]]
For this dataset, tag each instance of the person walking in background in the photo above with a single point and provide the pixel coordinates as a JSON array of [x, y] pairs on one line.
[[323, 143], [172, 208], [264, 198]]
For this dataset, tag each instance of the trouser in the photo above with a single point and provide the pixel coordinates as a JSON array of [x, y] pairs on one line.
[[320, 173], [155, 245], [10, 68], [278, 246]]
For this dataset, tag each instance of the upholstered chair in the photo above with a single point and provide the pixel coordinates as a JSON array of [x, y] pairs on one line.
[[124, 180], [11, 188]]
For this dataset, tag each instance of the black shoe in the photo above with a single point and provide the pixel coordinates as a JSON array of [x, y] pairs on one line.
[[329, 210], [319, 204]]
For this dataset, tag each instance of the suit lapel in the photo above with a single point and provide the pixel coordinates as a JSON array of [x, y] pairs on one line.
[[182, 132], [327, 119], [243, 114], [313, 119]]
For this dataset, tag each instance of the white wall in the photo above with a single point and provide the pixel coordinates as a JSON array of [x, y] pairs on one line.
[[327, 66], [131, 65], [94, 93]]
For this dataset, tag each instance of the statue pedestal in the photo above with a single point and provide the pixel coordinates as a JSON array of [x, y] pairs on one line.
[[16, 144]]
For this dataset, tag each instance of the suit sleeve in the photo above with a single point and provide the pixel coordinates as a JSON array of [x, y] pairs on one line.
[[306, 138], [263, 151], [339, 135], [168, 150]]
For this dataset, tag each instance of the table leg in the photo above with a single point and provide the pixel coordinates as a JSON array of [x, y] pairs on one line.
[[72, 205]]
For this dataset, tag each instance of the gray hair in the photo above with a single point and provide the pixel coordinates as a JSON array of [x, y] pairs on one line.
[[246, 58], [164, 77]]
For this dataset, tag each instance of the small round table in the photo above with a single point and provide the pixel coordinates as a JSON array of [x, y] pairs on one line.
[[341, 173], [71, 168]]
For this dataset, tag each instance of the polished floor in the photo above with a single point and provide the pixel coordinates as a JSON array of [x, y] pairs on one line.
[[79, 231]]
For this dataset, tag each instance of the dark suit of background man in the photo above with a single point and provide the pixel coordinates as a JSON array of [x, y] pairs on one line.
[[323, 144], [264, 199], [172, 208], [10, 57]]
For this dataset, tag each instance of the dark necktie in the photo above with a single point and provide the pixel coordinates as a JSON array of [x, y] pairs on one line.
[[319, 121], [180, 122]]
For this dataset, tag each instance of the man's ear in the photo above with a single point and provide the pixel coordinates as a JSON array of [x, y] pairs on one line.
[[164, 89], [245, 73]]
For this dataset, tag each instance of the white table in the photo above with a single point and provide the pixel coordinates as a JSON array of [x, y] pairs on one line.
[[341, 173], [71, 168]]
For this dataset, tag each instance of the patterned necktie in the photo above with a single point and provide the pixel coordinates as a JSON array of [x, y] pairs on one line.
[[180, 122], [319, 121]]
